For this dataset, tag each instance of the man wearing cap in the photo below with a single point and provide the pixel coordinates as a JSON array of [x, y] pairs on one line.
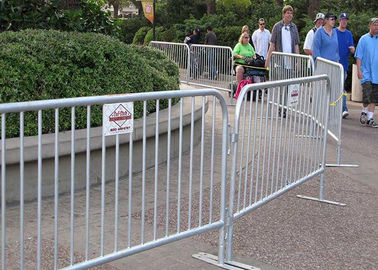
[[326, 44], [308, 44], [367, 68], [346, 46]]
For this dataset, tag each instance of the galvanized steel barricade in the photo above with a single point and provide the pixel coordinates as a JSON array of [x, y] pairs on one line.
[[211, 66], [335, 71], [273, 154], [284, 66], [99, 223], [178, 53]]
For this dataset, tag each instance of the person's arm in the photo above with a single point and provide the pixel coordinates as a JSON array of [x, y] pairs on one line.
[[254, 38], [297, 49], [309, 40], [352, 49], [359, 71], [272, 47]]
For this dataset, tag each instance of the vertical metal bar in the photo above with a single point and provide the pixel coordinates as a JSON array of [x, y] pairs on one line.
[[279, 165], [56, 188], [202, 159], [247, 159], [21, 189], [103, 179], [156, 166], [72, 249], [116, 194], [143, 170], [39, 212], [242, 135], [212, 161], [179, 169], [3, 191], [168, 168], [130, 188], [269, 111], [88, 182], [191, 164], [259, 147]]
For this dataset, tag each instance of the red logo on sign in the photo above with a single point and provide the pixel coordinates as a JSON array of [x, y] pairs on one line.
[[120, 115]]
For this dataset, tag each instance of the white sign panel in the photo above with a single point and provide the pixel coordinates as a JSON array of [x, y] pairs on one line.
[[293, 95], [117, 118]]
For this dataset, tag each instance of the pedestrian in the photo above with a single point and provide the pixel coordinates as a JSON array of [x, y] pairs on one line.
[[367, 68], [211, 39], [326, 44], [194, 38], [346, 46], [242, 50], [285, 36], [245, 29], [309, 41], [260, 39]]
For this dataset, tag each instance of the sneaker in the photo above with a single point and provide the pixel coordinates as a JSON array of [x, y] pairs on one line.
[[345, 114], [371, 123], [363, 118]]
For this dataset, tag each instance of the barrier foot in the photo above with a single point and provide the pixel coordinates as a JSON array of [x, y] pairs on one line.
[[342, 165], [319, 200], [231, 265]]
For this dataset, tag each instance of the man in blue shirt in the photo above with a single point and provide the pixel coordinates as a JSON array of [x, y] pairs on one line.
[[346, 46], [367, 68]]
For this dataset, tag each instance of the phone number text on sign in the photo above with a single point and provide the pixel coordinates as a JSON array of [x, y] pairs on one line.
[[117, 118]]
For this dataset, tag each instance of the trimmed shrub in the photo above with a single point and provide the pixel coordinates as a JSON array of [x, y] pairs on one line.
[[17, 15], [40, 64], [149, 36], [140, 34], [130, 26], [228, 36]]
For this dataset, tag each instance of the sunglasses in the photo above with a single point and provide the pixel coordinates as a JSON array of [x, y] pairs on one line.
[[246, 37], [332, 18], [262, 23]]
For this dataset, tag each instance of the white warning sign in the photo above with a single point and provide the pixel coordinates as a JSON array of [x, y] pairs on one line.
[[293, 95], [117, 118]]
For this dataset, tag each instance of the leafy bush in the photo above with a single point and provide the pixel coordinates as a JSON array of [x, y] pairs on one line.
[[149, 36], [40, 64], [17, 15], [228, 36], [130, 26], [140, 35]]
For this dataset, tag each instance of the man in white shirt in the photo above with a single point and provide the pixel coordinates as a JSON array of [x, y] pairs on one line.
[[261, 38], [308, 44]]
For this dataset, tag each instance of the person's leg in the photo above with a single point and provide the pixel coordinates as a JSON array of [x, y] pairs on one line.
[[366, 89], [239, 73], [345, 107], [371, 106]]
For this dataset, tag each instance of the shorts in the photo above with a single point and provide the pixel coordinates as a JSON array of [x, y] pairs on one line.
[[369, 93]]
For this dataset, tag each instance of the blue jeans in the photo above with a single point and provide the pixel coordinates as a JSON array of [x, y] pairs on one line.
[[345, 107], [211, 62]]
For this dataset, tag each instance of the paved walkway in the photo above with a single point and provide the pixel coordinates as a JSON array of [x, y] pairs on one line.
[[287, 233]]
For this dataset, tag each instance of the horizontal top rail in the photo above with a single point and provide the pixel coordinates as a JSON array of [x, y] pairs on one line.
[[169, 43], [84, 101], [211, 46], [256, 86], [292, 54]]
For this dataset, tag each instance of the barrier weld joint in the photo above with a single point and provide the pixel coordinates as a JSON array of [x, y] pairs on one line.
[[234, 137]]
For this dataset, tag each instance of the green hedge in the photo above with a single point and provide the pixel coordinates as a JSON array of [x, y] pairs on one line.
[[140, 35], [40, 64]]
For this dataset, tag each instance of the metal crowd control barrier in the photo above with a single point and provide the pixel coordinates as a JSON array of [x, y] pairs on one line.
[[178, 53], [211, 66], [141, 211], [273, 154], [284, 66], [335, 71]]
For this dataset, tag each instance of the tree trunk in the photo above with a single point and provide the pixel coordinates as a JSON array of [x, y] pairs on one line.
[[210, 7], [313, 7], [115, 8]]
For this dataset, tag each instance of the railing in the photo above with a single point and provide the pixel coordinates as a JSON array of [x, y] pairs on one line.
[[273, 153], [178, 53], [116, 215], [284, 66], [202, 65]]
